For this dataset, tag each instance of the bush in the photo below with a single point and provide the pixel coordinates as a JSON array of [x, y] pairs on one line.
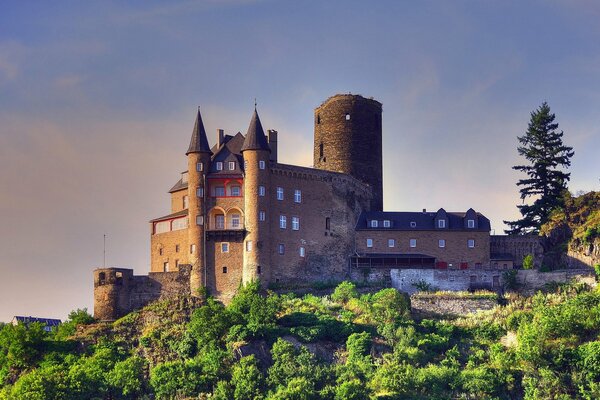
[[344, 292], [597, 271], [528, 262]]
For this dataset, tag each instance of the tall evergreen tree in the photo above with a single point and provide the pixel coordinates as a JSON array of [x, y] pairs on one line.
[[542, 146]]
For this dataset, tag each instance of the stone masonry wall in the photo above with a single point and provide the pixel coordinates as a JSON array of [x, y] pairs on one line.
[[348, 139], [447, 280], [448, 306], [518, 246]]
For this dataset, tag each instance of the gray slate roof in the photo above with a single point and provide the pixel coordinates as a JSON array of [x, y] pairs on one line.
[[255, 137], [199, 141], [425, 221], [45, 321]]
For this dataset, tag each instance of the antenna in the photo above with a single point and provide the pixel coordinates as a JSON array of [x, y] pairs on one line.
[[255, 103], [104, 252]]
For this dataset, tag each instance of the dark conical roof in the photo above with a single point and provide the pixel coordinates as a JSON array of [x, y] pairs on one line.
[[255, 137], [199, 142]]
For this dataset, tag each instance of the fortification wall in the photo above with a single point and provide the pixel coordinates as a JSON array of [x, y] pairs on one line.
[[447, 280], [518, 246], [118, 292], [530, 281], [431, 305]]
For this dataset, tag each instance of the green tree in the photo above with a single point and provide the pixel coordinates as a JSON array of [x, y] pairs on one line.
[[543, 148], [247, 379]]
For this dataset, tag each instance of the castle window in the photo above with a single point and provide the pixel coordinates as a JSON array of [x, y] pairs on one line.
[[249, 245], [374, 223], [413, 243], [369, 243], [281, 248], [235, 221], [347, 117], [261, 190], [179, 223], [101, 278], [413, 224], [219, 165], [471, 223], [295, 223], [318, 119], [231, 165], [199, 220], [200, 192], [321, 150], [302, 251], [297, 196], [245, 164], [235, 191], [441, 223], [176, 248], [279, 193], [160, 251], [186, 202], [261, 164], [177, 263], [386, 223], [220, 221], [442, 243], [471, 243], [199, 167], [224, 270], [282, 221], [327, 223], [166, 266], [391, 243], [162, 226], [192, 248], [224, 247], [219, 191], [258, 269], [262, 216]]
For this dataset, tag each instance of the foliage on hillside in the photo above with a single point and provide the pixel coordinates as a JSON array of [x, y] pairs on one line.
[[343, 346], [574, 226]]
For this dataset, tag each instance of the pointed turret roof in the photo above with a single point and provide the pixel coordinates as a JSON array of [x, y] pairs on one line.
[[199, 142], [255, 137]]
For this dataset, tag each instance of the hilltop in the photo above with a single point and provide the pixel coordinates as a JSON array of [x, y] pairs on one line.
[[344, 345]]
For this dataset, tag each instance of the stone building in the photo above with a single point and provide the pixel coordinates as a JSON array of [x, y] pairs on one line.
[[239, 214]]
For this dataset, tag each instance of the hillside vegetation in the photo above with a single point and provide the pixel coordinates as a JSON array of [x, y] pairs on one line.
[[574, 227], [341, 346]]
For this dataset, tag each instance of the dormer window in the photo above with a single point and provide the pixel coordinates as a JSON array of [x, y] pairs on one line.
[[386, 223], [413, 224], [471, 223], [374, 223], [184, 177], [441, 223], [219, 166], [231, 165]]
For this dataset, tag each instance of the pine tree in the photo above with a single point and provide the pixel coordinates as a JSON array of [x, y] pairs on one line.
[[542, 146]]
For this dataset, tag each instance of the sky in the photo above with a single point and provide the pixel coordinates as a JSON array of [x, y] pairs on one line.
[[98, 99]]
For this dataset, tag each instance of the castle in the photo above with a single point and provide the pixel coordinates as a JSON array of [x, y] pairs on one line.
[[238, 215]]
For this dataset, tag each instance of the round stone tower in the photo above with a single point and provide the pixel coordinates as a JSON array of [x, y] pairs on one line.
[[348, 139], [199, 156], [111, 293], [256, 153]]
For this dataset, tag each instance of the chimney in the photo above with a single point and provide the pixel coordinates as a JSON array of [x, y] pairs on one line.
[[272, 136], [424, 210], [220, 138]]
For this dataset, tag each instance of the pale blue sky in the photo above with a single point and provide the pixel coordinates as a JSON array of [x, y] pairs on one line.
[[97, 101]]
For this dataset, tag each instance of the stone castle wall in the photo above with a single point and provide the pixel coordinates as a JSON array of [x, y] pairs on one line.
[[518, 246], [118, 292], [348, 139]]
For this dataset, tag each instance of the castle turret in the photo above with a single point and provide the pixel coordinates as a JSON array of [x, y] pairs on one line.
[[256, 153], [111, 293], [199, 155], [348, 139]]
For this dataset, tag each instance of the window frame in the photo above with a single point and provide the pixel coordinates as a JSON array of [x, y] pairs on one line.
[[374, 223], [224, 247], [295, 223], [470, 223], [412, 243], [262, 164], [471, 243], [391, 243], [441, 224], [297, 196], [262, 216], [282, 221], [442, 243], [231, 165], [302, 251], [369, 243], [261, 191], [248, 246], [280, 193], [219, 165]]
